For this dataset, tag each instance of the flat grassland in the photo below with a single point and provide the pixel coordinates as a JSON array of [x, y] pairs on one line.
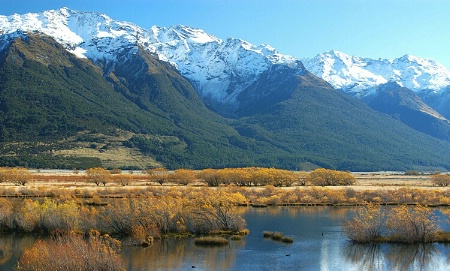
[[75, 181]]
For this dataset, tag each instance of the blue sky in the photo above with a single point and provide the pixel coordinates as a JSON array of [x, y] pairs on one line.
[[302, 28]]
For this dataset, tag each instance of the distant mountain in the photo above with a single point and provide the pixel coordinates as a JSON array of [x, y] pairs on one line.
[[334, 130], [404, 105], [80, 89], [364, 78], [440, 101], [357, 75]]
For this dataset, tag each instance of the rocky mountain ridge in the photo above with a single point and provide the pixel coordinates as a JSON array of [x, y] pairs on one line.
[[221, 69]]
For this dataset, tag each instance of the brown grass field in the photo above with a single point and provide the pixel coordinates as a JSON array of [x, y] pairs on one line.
[[72, 180]]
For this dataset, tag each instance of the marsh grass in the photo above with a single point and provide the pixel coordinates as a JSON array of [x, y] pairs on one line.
[[277, 236], [211, 241], [287, 239], [236, 237]]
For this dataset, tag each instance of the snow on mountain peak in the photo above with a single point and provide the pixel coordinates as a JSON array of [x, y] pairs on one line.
[[216, 67], [356, 75], [77, 31], [219, 69]]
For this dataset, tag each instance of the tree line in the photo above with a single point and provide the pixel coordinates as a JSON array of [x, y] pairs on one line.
[[250, 176]]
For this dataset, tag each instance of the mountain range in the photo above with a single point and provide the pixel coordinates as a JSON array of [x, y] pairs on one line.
[[79, 89]]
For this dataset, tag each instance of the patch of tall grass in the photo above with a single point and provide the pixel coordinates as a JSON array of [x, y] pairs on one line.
[[211, 241]]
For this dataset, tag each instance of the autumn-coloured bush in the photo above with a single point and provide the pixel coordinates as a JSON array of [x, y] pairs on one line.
[[441, 179], [72, 251], [122, 179], [325, 177], [195, 211], [366, 226], [183, 176], [17, 176], [412, 224], [51, 215], [6, 214], [210, 177], [214, 210], [159, 175], [3, 174], [98, 176], [404, 224], [251, 176]]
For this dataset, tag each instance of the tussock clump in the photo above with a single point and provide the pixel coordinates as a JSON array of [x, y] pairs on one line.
[[236, 237], [287, 239], [277, 236], [211, 241]]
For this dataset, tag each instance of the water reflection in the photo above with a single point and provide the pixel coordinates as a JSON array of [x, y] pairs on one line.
[[395, 256], [294, 211], [364, 256], [11, 247], [180, 254], [412, 257], [319, 244]]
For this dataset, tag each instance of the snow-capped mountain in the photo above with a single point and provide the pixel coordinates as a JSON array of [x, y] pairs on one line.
[[356, 75], [219, 69], [84, 73]]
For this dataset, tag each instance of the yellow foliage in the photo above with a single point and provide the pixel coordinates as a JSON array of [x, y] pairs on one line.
[[325, 177], [123, 179], [18, 176], [412, 224], [98, 175], [441, 179]]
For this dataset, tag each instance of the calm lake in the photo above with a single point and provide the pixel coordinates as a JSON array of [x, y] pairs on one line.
[[319, 244]]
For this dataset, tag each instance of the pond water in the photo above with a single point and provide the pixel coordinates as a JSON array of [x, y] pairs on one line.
[[319, 244]]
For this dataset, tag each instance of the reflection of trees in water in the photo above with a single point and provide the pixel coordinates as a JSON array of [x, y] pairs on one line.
[[393, 256], [176, 254], [6, 249], [293, 211], [367, 256], [407, 257], [12, 246]]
